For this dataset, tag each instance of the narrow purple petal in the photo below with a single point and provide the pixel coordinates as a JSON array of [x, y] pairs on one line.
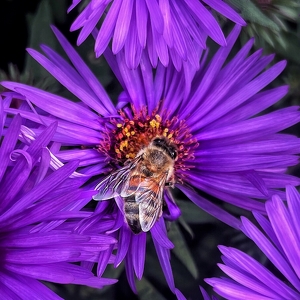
[[158, 233], [66, 133], [207, 21], [213, 69], [146, 72], [234, 193], [27, 287], [245, 280], [142, 12], [74, 4], [234, 291], [41, 189], [178, 38], [106, 30], [138, 252], [270, 251], [164, 7], [44, 165], [266, 226], [293, 199], [204, 293], [130, 274], [259, 126], [210, 207], [258, 271], [124, 242], [174, 210], [88, 25], [55, 105], [133, 85], [155, 16], [262, 101], [8, 143], [12, 183], [38, 213], [243, 94], [226, 11], [122, 26], [285, 232], [104, 257], [87, 74], [164, 260], [133, 50], [179, 295]]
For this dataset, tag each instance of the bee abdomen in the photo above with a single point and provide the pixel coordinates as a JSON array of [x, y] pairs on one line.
[[132, 214]]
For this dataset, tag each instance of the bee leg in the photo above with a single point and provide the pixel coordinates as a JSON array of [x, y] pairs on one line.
[[170, 184]]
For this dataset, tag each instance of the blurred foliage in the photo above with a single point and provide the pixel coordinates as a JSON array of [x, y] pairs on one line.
[[268, 20], [275, 26]]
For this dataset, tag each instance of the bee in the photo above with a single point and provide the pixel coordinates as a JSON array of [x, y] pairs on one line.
[[141, 183]]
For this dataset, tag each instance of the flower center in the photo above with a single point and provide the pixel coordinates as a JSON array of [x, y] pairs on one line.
[[131, 133]]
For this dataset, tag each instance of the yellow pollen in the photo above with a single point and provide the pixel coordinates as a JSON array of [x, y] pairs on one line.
[[123, 145], [154, 124], [130, 136]]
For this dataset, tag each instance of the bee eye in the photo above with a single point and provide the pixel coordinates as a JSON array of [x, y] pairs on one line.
[[158, 141], [173, 153]]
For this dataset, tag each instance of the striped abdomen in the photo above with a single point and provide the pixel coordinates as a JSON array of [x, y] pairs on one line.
[[131, 208]]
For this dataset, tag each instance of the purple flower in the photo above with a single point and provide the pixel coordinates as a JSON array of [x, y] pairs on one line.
[[227, 146], [38, 210], [109, 219], [162, 30], [279, 240]]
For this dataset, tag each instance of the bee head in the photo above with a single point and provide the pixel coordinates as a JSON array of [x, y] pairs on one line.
[[165, 144]]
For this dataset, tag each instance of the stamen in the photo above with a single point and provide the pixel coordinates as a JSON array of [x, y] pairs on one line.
[[137, 131]]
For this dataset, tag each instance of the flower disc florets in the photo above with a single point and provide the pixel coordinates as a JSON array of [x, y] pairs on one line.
[[135, 131]]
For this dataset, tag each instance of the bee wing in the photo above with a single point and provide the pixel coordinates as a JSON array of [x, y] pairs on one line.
[[115, 183], [132, 185], [150, 198]]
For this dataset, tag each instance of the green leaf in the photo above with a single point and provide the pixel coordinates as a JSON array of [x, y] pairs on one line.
[[186, 226], [59, 9], [289, 48], [250, 12], [40, 33], [112, 272], [181, 250], [147, 291], [193, 214]]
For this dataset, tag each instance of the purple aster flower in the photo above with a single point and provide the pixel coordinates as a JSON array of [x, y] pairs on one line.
[[279, 240], [163, 30], [38, 209], [227, 147], [131, 248]]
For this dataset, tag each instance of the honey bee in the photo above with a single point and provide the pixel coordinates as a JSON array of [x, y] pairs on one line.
[[141, 183]]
